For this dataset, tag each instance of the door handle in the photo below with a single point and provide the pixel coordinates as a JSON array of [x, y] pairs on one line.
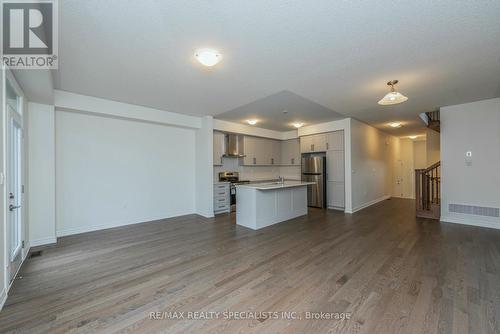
[[12, 207]]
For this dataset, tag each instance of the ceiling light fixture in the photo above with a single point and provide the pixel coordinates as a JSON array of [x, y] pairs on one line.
[[413, 137], [395, 125], [298, 125], [252, 121], [208, 57], [392, 97]]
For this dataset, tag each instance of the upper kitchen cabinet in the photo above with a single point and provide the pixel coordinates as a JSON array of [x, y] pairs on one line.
[[218, 148], [249, 145], [313, 143], [335, 140], [290, 152], [261, 151], [275, 152]]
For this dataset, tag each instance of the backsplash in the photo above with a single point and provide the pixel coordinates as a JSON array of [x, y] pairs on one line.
[[257, 173]]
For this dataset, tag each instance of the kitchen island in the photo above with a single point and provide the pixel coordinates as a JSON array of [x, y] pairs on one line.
[[265, 204]]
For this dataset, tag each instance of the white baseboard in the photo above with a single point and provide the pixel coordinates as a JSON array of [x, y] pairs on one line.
[[336, 208], [92, 228], [3, 298], [206, 214], [43, 241], [364, 206], [472, 221]]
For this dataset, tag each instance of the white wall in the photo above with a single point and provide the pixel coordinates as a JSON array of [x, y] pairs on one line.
[[203, 166], [420, 154], [471, 127], [41, 187], [112, 172], [372, 164], [432, 147], [71, 101]]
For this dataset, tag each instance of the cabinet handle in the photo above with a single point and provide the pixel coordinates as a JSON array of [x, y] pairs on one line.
[[312, 147], [254, 161], [293, 161], [327, 146], [272, 161]]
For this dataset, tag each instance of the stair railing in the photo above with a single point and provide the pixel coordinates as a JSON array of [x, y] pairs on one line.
[[428, 191]]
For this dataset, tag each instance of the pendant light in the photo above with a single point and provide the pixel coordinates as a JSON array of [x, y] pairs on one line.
[[393, 97]]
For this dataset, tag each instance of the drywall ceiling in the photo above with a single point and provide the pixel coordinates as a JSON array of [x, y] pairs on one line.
[[337, 54], [279, 111]]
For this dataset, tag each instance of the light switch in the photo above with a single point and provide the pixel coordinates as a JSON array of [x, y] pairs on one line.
[[468, 158]]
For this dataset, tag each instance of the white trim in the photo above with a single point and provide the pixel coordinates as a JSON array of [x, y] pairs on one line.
[[206, 215], [3, 298], [92, 228], [43, 241], [72, 101], [364, 206], [472, 221]]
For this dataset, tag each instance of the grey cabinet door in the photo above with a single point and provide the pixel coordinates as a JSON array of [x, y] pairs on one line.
[[336, 140], [335, 194], [335, 166], [306, 144], [218, 148], [319, 143]]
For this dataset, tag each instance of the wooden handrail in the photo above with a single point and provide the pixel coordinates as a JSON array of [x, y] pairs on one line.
[[428, 191]]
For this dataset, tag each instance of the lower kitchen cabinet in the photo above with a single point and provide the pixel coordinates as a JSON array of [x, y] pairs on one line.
[[222, 201], [335, 195]]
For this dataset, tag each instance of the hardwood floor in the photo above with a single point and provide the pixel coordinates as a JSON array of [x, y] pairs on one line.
[[383, 268]]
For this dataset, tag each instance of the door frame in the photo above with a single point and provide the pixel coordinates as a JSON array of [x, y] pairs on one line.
[[8, 77]]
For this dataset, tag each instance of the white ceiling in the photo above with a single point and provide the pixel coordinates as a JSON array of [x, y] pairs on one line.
[[337, 55], [279, 111]]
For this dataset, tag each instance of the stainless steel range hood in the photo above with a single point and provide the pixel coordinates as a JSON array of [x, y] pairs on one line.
[[233, 146]]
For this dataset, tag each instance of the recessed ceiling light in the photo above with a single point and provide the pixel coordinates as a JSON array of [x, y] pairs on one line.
[[252, 121], [208, 57], [298, 125], [392, 97], [395, 125], [413, 137]]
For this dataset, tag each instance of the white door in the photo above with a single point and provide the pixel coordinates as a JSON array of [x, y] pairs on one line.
[[398, 179], [13, 105]]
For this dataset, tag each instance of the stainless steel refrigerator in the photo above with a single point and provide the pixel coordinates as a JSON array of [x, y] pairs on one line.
[[314, 170]]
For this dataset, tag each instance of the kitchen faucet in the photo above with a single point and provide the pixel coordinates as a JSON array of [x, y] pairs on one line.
[[281, 179]]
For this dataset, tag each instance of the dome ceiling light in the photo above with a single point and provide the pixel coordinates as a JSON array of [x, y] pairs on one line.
[[208, 57], [395, 125], [393, 97]]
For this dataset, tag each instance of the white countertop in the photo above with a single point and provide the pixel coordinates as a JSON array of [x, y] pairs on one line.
[[275, 185]]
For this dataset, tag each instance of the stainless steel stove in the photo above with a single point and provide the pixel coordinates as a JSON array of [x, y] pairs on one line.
[[234, 179]]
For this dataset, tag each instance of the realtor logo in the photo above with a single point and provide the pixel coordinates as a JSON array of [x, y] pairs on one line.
[[29, 34]]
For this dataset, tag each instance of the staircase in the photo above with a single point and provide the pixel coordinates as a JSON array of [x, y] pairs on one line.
[[428, 180], [428, 191], [432, 120]]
